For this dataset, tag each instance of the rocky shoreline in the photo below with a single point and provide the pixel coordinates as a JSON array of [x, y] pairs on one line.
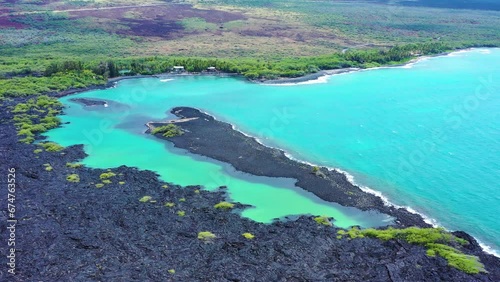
[[69, 231], [209, 137], [204, 135]]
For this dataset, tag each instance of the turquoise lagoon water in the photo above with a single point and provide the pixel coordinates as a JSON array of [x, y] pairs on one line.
[[427, 136]]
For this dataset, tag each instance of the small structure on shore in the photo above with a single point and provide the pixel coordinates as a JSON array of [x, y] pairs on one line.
[[178, 69], [125, 72], [211, 69]]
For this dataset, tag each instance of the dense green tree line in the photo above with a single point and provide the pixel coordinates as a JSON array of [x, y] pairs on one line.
[[253, 68], [22, 86], [77, 73]]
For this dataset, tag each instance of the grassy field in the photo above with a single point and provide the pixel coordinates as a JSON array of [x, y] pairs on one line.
[[251, 35], [228, 28]]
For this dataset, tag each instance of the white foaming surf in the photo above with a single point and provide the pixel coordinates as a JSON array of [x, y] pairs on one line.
[[324, 78], [166, 80], [487, 249], [459, 53]]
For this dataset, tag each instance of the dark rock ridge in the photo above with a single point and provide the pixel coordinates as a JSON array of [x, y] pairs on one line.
[[218, 140], [76, 232], [89, 102]]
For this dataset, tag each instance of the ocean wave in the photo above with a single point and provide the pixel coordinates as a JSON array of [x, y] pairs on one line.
[[166, 80], [488, 249], [414, 62], [459, 53]]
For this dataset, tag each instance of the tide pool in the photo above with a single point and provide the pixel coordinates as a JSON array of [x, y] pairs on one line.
[[427, 136]]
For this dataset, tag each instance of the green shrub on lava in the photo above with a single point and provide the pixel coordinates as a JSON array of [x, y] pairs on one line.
[[74, 165], [323, 220], [35, 116], [51, 147], [145, 199], [48, 167], [433, 239], [224, 206], [248, 235], [169, 204], [107, 175], [73, 178], [169, 130], [206, 236]]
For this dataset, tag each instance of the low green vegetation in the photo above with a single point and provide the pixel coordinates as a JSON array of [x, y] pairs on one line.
[[74, 165], [107, 175], [248, 236], [323, 220], [197, 24], [317, 171], [182, 199], [48, 167], [121, 182], [224, 206], [145, 199], [436, 240], [169, 204], [169, 130], [171, 271], [106, 181], [206, 236], [99, 185], [466, 263], [37, 151], [181, 213], [35, 116], [51, 147], [164, 186], [73, 178]]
